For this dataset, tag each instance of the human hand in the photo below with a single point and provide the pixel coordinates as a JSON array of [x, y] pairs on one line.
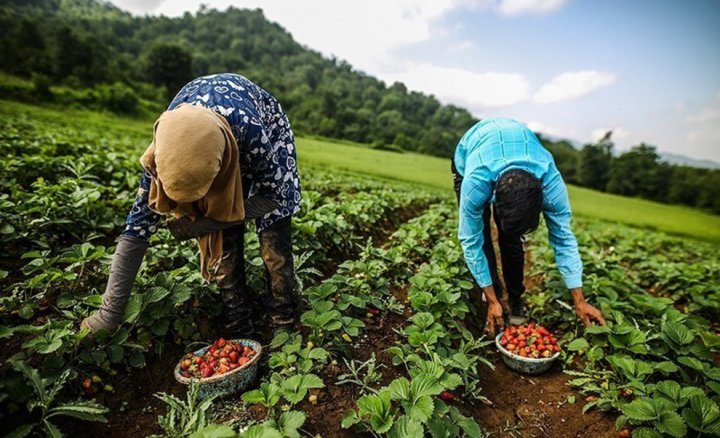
[[589, 314], [494, 318]]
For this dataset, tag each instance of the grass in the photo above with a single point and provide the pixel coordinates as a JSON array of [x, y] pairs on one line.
[[435, 172], [414, 168]]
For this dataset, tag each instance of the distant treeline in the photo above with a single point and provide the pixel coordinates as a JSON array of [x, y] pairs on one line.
[[93, 46], [638, 172], [104, 57]]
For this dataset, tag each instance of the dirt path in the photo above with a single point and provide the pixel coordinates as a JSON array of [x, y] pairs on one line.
[[537, 406]]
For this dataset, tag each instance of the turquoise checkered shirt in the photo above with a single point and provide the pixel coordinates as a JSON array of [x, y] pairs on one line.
[[486, 151]]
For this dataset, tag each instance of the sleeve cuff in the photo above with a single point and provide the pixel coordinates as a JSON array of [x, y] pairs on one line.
[[482, 277], [573, 281]]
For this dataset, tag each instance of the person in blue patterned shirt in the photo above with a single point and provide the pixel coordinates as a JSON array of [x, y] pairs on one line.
[[268, 166], [501, 162]]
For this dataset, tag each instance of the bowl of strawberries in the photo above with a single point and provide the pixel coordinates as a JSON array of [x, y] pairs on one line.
[[225, 366], [528, 348]]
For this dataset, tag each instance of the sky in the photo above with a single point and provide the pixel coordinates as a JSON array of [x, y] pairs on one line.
[[649, 70]]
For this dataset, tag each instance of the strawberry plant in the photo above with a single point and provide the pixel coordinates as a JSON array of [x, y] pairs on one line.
[[43, 399]]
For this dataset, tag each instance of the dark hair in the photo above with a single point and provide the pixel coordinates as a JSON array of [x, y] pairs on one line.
[[518, 202]]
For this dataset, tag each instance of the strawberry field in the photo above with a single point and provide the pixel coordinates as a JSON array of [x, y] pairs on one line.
[[388, 343]]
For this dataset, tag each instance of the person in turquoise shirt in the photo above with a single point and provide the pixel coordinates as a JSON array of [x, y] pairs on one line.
[[501, 162]]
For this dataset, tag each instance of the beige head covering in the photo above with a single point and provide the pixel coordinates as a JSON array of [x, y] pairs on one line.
[[196, 170]]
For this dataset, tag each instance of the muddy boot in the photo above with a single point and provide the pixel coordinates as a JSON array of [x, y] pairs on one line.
[[230, 276], [276, 252]]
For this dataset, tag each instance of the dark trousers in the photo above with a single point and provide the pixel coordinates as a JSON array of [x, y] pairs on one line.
[[512, 251], [276, 252]]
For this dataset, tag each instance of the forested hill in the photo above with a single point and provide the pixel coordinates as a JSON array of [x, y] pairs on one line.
[[86, 44]]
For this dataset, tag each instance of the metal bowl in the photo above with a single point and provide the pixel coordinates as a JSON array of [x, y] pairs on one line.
[[231, 382], [527, 365]]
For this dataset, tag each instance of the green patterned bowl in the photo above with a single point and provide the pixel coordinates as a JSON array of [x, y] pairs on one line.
[[527, 365], [231, 382]]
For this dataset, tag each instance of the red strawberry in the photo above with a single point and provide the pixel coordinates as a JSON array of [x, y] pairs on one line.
[[447, 395], [243, 360]]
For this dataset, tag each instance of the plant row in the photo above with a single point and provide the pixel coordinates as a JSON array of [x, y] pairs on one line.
[[654, 363]]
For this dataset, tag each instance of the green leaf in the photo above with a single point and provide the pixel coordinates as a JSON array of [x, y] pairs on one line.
[[646, 432], [349, 419], [421, 410], [290, 422], [639, 410], [296, 387], [21, 431], [115, 353], [156, 294], [215, 431], [84, 410], [578, 344], [691, 362], [405, 428], [261, 432], [666, 367], [5, 331], [703, 415], [597, 329], [400, 389], [422, 320], [669, 389], [51, 431], [132, 309], [137, 360], [678, 334], [672, 424], [425, 385]]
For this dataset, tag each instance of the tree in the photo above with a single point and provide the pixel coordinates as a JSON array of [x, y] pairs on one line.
[[566, 157], [594, 163], [168, 65], [639, 172]]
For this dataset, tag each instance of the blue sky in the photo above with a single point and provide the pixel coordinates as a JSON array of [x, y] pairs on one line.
[[648, 70]]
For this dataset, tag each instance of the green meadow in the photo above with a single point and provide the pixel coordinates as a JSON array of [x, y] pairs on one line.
[[409, 167]]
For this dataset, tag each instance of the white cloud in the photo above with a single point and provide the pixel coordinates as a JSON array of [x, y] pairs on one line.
[[476, 91], [517, 7], [704, 128], [553, 131], [364, 33], [618, 134], [707, 114], [571, 85], [461, 46]]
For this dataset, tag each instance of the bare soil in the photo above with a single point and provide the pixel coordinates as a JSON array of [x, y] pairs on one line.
[[521, 406]]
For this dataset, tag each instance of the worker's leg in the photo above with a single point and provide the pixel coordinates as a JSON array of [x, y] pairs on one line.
[[512, 257], [276, 252], [489, 251], [230, 277]]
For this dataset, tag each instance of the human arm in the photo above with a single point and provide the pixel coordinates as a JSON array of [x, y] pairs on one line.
[[558, 217], [132, 244], [475, 194]]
